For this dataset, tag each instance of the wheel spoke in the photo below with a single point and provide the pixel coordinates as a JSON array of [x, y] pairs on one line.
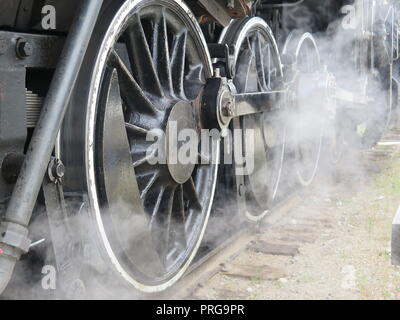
[[181, 207], [151, 182], [248, 42], [194, 80], [260, 62], [179, 218], [131, 92], [191, 194], [244, 67], [161, 223], [271, 70], [178, 62], [135, 130], [141, 59], [168, 228], [147, 158], [250, 84], [195, 75], [161, 58], [156, 208]]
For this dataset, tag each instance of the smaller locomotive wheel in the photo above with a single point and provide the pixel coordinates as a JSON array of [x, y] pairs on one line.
[[144, 73], [306, 120], [258, 68]]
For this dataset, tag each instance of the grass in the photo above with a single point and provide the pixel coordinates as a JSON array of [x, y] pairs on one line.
[[389, 180], [380, 280], [255, 279]]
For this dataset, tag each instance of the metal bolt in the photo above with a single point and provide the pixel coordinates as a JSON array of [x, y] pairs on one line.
[[24, 49], [227, 108], [58, 170]]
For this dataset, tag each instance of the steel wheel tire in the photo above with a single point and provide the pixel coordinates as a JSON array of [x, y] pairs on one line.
[[255, 35], [306, 142], [174, 206]]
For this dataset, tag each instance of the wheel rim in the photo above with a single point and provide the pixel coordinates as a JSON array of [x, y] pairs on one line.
[[257, 54], [150, 218], [307, 121]]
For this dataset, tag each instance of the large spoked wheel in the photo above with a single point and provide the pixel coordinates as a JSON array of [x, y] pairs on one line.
[[145, 70], [306, 121], [258, 68]]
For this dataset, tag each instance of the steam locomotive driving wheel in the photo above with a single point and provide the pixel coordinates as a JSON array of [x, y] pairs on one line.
[[258, 69], [306, 120], [143, 75]]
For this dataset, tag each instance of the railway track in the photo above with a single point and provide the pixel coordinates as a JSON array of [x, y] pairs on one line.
[[282, 233], [217, 258], [295, 222]]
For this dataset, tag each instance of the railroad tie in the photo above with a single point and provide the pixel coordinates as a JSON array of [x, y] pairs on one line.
[[274, 249]]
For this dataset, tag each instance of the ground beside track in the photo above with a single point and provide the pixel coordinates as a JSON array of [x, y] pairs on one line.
[[333, 243]]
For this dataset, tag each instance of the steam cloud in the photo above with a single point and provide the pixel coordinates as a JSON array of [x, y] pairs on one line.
[[336, 50]]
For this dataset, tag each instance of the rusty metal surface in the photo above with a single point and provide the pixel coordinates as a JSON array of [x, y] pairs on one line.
[[223, 11]]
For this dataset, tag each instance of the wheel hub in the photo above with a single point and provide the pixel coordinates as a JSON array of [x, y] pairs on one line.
[[181, 124]]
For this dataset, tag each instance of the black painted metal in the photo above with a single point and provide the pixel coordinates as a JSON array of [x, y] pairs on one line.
[[252, 103], [224, 54], [15, 76], [26, 16], [46, 50], [12, 117], [42, 144], [163, 204], [212, 92], [221, 105]]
